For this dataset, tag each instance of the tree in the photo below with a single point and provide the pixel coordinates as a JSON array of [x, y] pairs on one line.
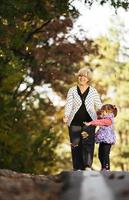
[[35, 50], [20, 21]]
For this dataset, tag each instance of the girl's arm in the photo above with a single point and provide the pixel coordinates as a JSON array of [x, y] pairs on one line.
[[99, 122]]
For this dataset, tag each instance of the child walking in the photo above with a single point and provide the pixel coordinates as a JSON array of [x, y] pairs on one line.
[[105, 135]]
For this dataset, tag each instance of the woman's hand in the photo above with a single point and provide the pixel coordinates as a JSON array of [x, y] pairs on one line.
[[87, 123], [65, 119]]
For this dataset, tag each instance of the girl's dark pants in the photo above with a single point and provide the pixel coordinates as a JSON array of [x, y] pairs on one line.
[[104, 155], [82, 148]]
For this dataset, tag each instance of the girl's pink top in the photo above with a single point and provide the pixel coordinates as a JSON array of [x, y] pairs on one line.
[[105, 132]]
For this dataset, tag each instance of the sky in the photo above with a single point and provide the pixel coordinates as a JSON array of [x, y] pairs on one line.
[[97, 20]]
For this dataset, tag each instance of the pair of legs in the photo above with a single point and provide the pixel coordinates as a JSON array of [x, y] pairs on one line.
[[104, 155], [82, 148]]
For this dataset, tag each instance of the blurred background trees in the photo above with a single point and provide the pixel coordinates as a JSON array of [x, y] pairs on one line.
[[38, 60]]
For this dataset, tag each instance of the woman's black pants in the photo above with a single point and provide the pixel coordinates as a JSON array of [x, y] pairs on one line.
[[82, 148], [104, 155]]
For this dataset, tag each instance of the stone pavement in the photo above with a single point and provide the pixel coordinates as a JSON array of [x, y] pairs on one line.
[[95, 185], [68, 185]]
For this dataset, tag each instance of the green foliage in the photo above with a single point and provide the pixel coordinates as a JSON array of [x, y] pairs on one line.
[[43, 151], [27, 144]]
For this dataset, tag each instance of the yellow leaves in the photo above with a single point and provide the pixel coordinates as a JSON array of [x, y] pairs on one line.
[[111, 78], [104, 46]]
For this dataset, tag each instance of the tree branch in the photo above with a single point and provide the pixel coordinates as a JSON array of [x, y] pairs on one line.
[[36, 31]]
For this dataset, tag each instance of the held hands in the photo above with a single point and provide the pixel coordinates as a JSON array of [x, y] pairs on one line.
[[87, 123], [65, 119]]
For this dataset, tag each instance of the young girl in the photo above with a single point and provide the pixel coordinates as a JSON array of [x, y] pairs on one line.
[[105, 135]]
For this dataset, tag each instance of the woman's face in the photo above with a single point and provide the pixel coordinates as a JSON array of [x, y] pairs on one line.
[[83, 79]]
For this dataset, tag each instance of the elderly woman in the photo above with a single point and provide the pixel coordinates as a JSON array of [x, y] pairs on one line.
[[82, 103]]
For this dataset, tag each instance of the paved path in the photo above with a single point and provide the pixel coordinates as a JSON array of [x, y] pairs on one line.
[[95, 185]]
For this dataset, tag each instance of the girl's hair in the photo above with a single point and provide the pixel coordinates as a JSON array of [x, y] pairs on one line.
[[109, 108]]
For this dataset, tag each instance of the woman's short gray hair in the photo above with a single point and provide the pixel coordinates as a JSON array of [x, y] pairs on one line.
[[86, 72]]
